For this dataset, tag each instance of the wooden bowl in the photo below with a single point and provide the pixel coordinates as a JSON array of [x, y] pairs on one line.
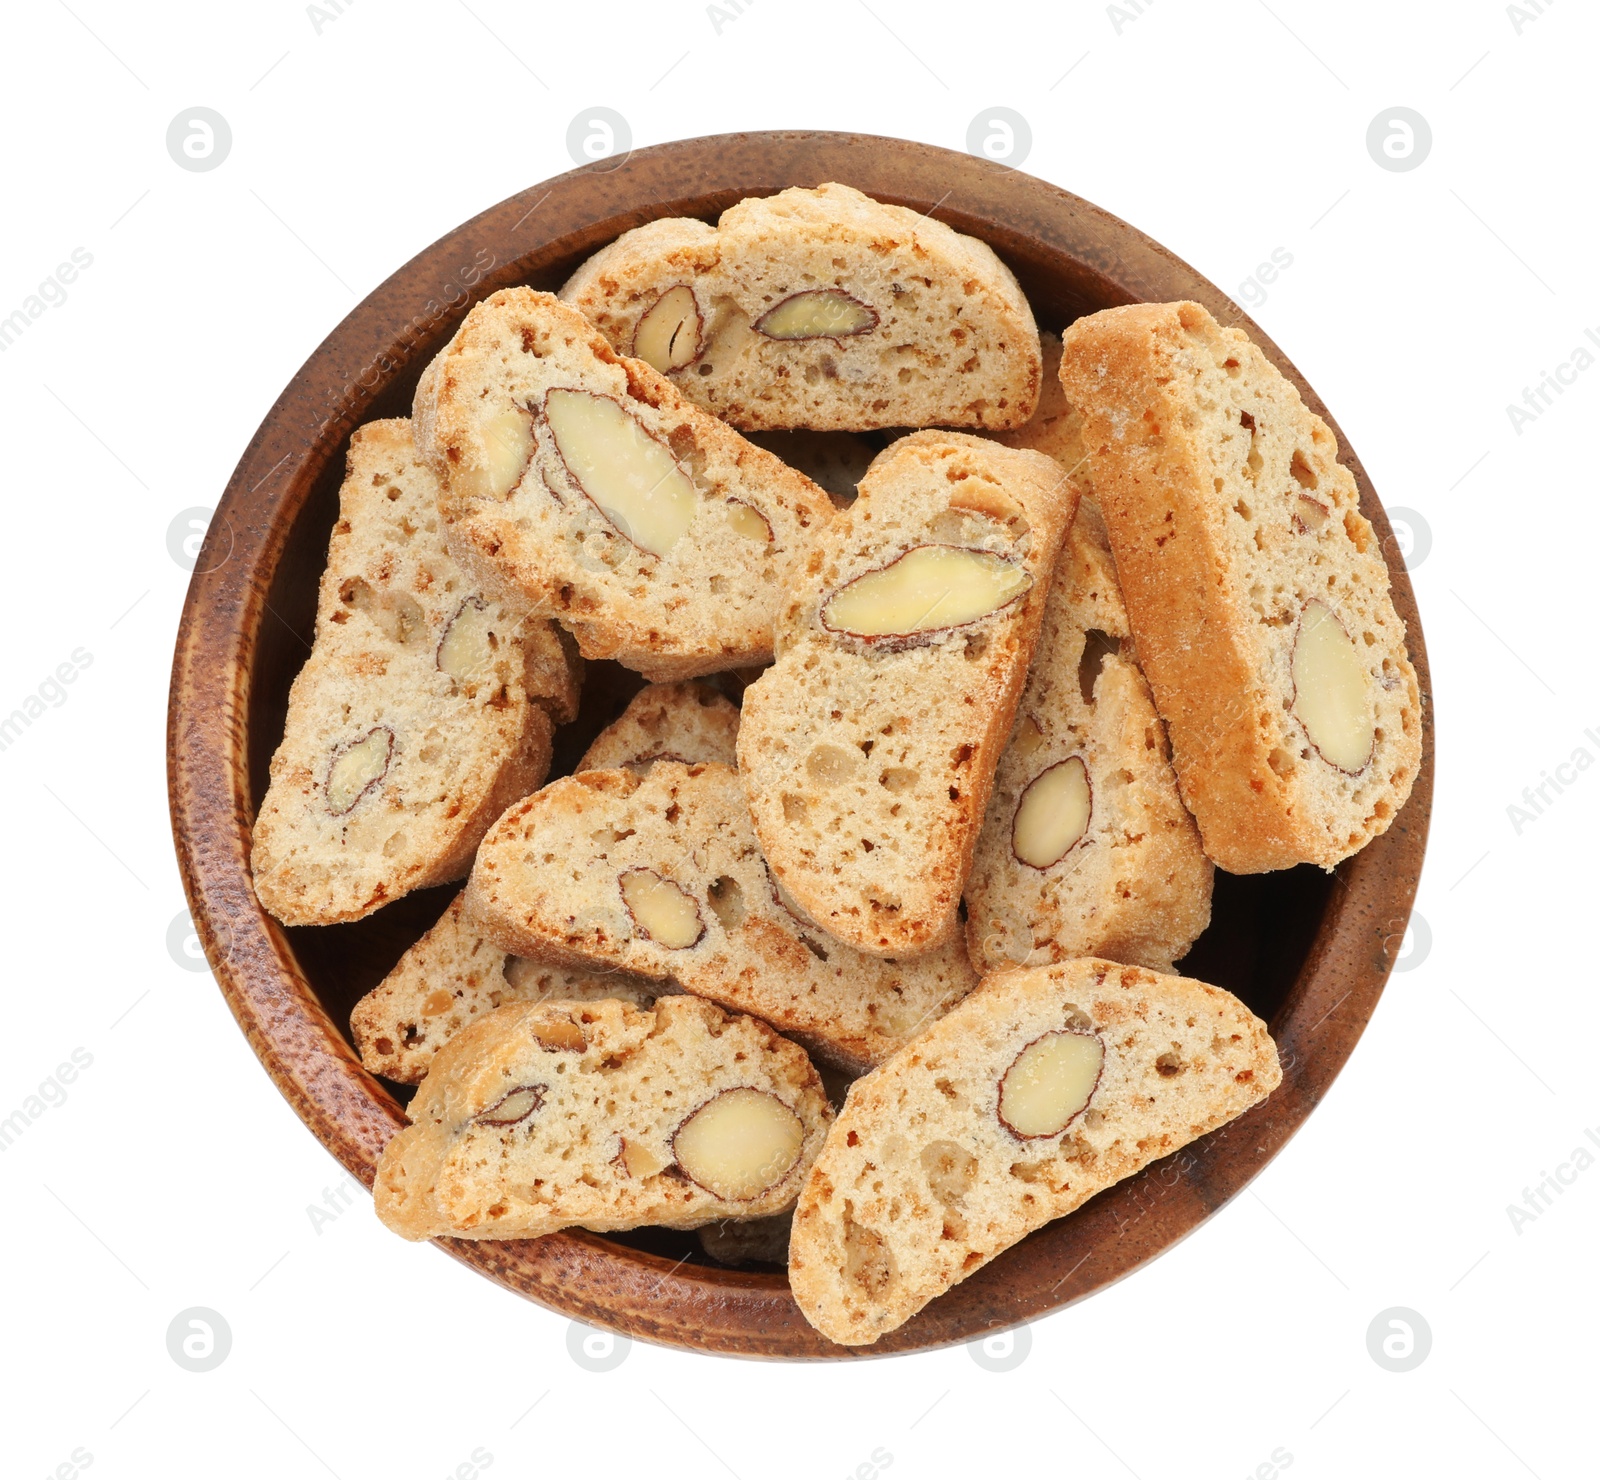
[[1308, 951]]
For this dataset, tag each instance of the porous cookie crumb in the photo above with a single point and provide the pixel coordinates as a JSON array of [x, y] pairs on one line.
[[823, 309], [1046, 1086], [868, 749], [660, 875], [550, 1115], [426, 707], [588, 487]]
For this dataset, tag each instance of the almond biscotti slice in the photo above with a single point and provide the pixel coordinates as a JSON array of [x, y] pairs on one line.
[[1087, 849], [451, 977], [688, 722], [425, 709], [660, 875], [1255, 589], [823, 309], [600, 1115], [455, 972], [868, 749], [1046, 1086], [589, 488]]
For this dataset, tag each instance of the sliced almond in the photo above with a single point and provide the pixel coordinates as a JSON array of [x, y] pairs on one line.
[[632, 478], [516, 1104], [748, 523], [668, 336], [507, 446], [1050, 1083], [821, 313], [1332, 690], [637, 1160], [561, 1036], [466, 651], [1027, 737], [1053, 814], [928, 589], [357, 768], [661, 910], [739, 1144]]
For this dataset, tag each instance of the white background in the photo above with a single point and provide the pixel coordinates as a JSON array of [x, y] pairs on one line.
[[1419, 303]]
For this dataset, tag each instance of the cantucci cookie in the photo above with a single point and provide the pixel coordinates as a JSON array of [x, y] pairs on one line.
[[1046, 1086], [687, 722], [660, 875], [1087, 849], [1255, 589], [425, 709], [455, 973], [451, 977], [820, 308], [600, 1115], [868, 749], [589, 488]]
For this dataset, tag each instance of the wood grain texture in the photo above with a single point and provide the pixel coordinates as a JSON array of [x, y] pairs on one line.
[[1309, 951]]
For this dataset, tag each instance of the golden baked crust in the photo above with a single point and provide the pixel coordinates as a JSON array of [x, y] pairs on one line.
[[1228, 511]]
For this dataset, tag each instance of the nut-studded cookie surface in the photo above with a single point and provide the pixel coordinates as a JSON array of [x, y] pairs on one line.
[[660, 875], [822, 309], [1046, 1086], [1087, 849], [600, 1115], [425, 708], [587, 486], [868, 749]]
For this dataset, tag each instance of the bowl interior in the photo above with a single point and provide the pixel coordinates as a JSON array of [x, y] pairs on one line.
[[1307, 951], [1261, 925]]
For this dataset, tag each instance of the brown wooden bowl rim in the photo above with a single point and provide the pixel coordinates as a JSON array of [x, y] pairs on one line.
[[397, 326]]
